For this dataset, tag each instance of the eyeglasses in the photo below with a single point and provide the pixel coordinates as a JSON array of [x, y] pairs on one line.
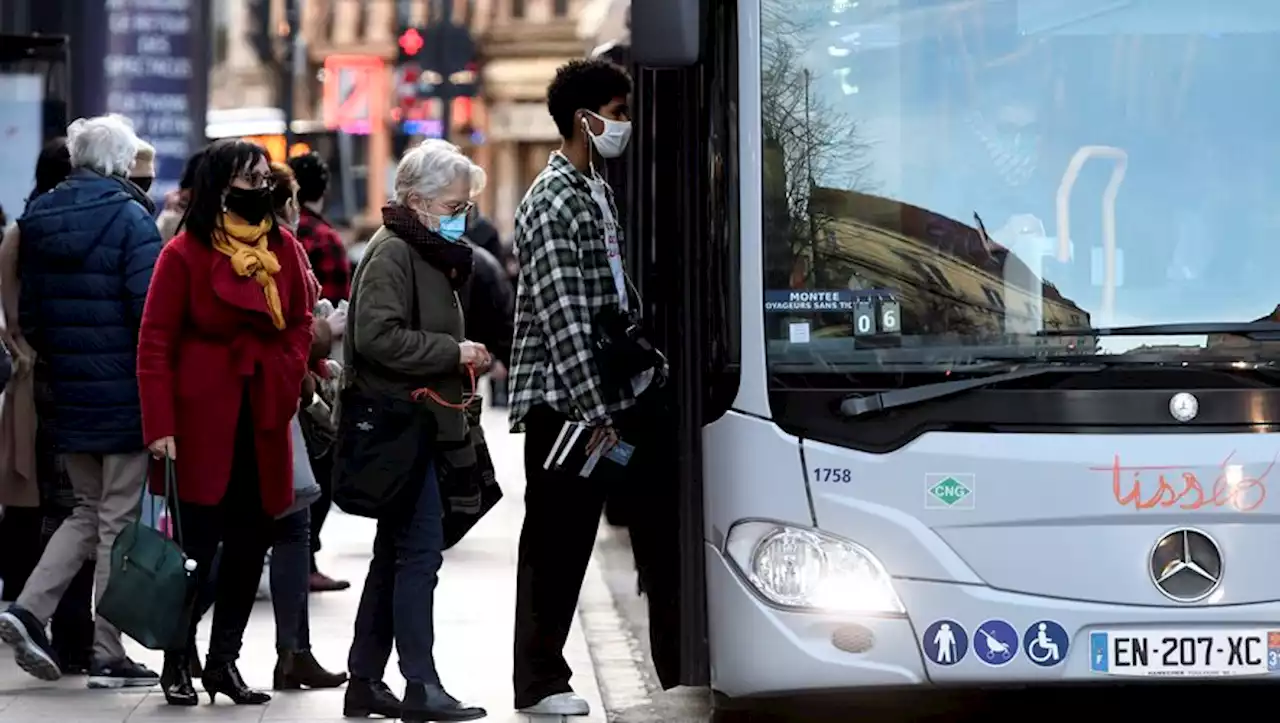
[[257, 180], [456, 208]]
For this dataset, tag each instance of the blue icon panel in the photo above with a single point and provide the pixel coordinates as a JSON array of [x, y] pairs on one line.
[[1098, 652], [1045, 643], [945, 642], [995, 642]]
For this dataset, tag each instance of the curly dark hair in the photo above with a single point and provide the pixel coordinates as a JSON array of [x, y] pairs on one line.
[[312, 174], [584, 85]]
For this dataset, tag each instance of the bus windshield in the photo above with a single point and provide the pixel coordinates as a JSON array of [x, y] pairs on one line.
[[953, 179]]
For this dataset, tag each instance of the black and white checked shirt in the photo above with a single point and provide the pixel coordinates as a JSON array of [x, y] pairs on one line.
[[564, 281]]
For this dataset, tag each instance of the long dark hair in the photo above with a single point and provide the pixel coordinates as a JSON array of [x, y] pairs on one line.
[[223, 159], [189, 171], [52, 166]]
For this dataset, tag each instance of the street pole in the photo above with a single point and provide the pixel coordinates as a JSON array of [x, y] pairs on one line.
[[446, 98], [289, 72]]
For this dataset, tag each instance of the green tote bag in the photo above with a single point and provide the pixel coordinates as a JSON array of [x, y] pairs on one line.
[[150, 594]]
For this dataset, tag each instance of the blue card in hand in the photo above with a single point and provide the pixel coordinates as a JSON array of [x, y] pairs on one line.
[[620, 453]]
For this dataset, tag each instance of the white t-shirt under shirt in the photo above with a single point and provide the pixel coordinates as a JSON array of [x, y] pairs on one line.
[[600, 195]]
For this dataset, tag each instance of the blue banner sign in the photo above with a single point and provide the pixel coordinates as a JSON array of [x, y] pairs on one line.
[[152, 59]]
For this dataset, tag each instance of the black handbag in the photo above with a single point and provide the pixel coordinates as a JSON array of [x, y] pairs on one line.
[[382, 445], [380, 454], [622, 347]]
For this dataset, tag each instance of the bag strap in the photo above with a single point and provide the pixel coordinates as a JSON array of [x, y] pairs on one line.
[[419, 394], [170, 498]]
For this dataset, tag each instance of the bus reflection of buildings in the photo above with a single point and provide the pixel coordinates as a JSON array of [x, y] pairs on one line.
[[947, 278]]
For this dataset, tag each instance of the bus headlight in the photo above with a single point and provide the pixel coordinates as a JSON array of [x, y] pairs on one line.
[[810, 570]]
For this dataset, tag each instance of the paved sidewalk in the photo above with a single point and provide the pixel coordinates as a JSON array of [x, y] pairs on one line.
[[473, 629]]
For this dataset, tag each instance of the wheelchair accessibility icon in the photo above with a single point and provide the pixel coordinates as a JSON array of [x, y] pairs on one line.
[[1046, 643]]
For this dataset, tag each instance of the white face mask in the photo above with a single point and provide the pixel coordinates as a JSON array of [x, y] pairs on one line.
[[613, 140]]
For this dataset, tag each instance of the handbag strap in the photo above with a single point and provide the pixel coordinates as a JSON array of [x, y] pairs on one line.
[[170, 498]]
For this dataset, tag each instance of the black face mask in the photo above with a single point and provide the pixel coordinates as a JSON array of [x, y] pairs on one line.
[[143, 182], [251, 204]]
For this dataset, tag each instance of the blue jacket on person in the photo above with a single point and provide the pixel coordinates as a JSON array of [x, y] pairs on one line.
[[87, 249]]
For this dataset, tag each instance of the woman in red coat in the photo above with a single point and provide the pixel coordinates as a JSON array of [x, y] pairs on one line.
[[221, 357]]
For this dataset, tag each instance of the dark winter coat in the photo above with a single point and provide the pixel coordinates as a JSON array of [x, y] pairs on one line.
[[88, 248]]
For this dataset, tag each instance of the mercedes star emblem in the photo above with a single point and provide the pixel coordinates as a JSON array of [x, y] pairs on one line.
[[1184, 407], [1186, 565]]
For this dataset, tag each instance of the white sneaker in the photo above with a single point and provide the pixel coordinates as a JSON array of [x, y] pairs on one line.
[[559, 704]]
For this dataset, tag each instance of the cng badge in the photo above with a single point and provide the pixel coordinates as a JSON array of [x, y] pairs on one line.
[[949, 491]]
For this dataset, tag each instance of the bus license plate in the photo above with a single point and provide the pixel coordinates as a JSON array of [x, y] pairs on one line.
[[1184, 653]]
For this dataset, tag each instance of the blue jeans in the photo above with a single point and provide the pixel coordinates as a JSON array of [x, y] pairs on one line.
[[399, 592], [290, 580]]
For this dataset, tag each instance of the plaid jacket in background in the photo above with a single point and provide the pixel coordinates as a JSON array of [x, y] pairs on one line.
[[564, 282], [328, 255]]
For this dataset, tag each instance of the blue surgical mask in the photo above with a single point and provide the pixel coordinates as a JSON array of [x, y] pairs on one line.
[[452, 227]]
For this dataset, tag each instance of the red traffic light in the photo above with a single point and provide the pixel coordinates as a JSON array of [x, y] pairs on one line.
[[411, 41]]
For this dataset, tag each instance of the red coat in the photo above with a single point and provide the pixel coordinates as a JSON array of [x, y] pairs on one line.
[[206, 332]]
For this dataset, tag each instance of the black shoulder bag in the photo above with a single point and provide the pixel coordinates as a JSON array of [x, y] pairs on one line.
[[383, 441]]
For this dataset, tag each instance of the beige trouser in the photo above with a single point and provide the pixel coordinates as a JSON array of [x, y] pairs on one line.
[[108, 488]]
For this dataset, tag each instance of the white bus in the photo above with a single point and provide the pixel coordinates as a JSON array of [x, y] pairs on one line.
[[974, 387]]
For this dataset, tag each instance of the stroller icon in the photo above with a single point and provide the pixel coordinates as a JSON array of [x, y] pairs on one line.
[[996, 650]]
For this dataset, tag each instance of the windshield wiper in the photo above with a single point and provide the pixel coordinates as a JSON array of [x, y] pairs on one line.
[[882, 401], [1256, 330]]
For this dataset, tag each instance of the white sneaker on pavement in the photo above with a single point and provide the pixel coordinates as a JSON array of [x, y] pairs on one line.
[[559, 704]]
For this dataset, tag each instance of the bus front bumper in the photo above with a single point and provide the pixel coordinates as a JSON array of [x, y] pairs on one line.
[[760, 650]]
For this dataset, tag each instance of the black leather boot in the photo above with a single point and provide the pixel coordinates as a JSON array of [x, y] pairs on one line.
[[300, 669], [369, 697], [224, 678], [175, 680], [432, 703]]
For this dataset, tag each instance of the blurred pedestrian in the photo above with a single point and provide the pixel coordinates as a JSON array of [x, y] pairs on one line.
[[324, 246], [84, 332], [175, 202], [492, 321], [331, 265], [143, 173], [406, 335], [221, 357]]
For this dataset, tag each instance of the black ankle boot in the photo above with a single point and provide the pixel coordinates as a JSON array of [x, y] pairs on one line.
[[430, 702], [175, 680], [369, 697], [300, 669], [224, 678]]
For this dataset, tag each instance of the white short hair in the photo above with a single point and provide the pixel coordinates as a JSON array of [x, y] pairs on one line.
[[432, 166], [106, 144]]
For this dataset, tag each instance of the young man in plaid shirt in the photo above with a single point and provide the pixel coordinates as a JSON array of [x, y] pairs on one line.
[[568, 239]]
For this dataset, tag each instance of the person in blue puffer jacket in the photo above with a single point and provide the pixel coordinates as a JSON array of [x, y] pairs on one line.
[[88, 249]]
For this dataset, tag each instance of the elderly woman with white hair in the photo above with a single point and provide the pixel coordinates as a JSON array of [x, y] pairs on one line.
[[88, 249], [404, 342]]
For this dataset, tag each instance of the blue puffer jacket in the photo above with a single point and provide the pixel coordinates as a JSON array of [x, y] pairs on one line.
[[87, 251]]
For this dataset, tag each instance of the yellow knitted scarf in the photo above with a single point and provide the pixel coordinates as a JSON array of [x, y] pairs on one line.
[[246, 246]]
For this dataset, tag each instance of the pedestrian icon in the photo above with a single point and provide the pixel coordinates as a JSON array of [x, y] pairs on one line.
[[1046, 643], [995, 642], [945, 642]]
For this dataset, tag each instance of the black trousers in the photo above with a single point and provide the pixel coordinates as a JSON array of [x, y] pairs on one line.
[[562, 516], [245, 532]]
